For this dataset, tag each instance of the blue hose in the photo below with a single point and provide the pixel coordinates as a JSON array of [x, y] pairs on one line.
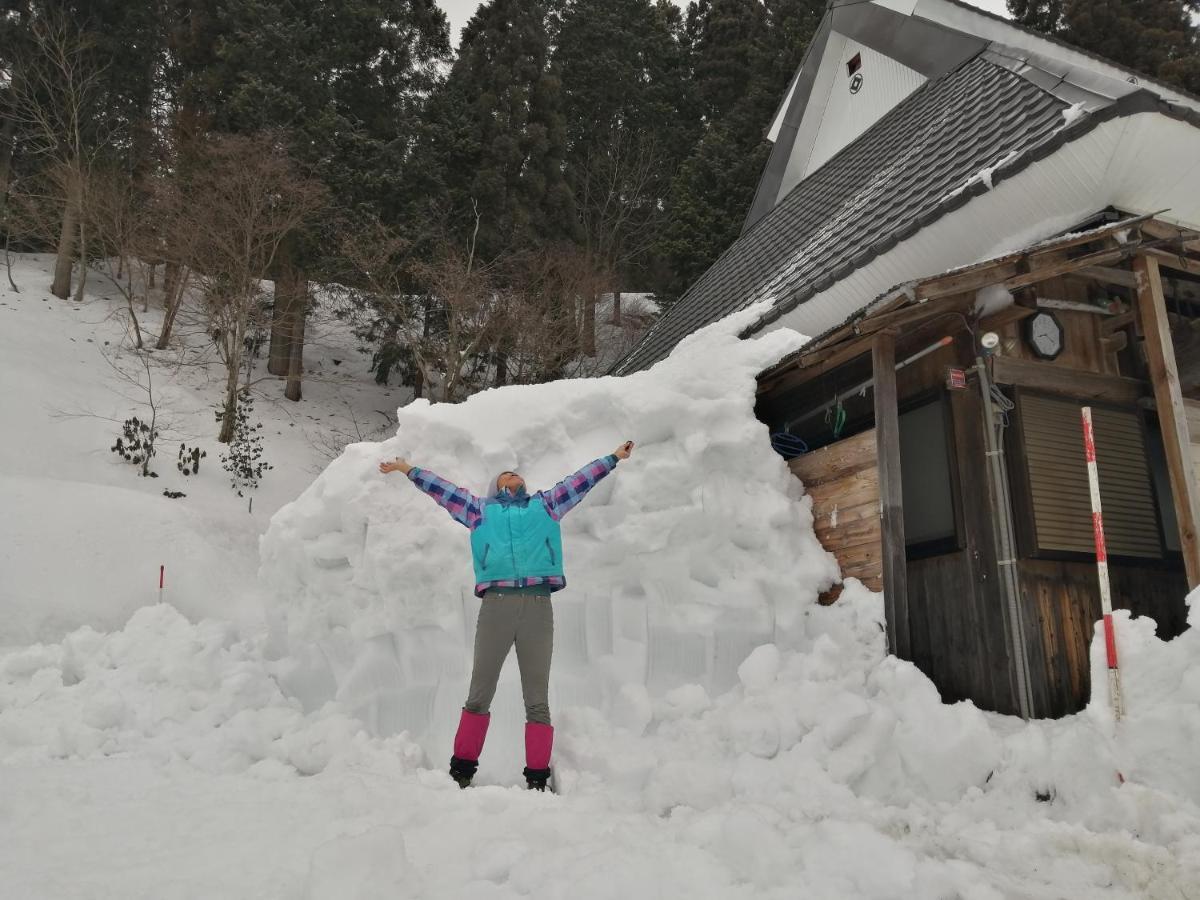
[[788, 445]]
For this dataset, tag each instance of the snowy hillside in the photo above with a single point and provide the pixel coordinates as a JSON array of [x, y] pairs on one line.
[[83, 536], [719, 734]]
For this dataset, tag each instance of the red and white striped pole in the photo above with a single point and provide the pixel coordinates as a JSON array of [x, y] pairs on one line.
[[1110, 638]]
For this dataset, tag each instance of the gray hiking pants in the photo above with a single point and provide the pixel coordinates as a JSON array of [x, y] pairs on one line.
[[524, 618]]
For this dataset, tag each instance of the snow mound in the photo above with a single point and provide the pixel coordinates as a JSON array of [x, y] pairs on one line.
[[168, 690], [692, 553]]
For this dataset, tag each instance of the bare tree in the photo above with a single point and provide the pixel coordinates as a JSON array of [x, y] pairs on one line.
[[619, 213], [449, 324], [545, 334], [240, 198], [54, 104], [121, 219]]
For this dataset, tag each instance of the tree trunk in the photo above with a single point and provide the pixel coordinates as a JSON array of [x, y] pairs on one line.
[[295, 369], [174, 299], [8, 263], [61, 288], [83, 269], [297, 313], [137, 329], [279, 356], [7, 133], [589, 325], [616, 317], [283, 320], [233, 365], [170, 274], [501, 369]]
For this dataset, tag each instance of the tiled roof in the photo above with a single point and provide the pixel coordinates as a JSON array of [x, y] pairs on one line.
[[894, 179]]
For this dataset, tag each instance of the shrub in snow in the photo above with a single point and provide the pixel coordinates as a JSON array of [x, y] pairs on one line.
[[136, 444], [244, 461], [189, 460]]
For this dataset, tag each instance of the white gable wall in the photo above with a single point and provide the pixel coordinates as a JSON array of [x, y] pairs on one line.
[[834, 116]]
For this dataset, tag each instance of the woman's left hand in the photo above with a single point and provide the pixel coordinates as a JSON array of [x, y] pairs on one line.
[[624, 450]]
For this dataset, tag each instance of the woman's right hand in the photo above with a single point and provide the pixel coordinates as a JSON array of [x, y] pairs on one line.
[[395, 465]]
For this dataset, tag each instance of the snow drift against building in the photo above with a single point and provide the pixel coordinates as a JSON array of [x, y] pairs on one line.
[[668, 580]]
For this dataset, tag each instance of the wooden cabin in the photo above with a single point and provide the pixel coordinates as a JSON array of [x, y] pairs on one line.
[[893, 407], [939, 176]]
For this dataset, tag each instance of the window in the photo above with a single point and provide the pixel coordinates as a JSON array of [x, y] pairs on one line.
[[1059, 499], [854, 64], [1162, 489], [926, 480]]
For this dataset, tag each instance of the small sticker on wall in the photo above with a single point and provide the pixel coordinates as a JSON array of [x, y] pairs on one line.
[[856, 82]]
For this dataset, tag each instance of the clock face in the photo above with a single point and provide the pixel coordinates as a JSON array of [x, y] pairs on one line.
[[1045, 335]]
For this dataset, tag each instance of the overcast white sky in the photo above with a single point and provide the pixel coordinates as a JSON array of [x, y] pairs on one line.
[[460, 10]]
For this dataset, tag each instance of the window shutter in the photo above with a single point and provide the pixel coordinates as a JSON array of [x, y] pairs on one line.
[[1058, 481]]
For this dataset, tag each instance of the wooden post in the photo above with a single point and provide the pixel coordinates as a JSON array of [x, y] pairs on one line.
[[1172, 417], [891, 501]]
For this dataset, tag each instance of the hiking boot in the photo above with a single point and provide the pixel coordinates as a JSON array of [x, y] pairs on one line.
[[536, 779], [463, 770]]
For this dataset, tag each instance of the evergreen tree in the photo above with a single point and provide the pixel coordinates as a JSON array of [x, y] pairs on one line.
[[494, 140], [744, 54], [342, 80], [630, 121], [1157, 37]]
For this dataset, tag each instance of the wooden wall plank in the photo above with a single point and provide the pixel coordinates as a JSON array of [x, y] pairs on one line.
[[1062, 608], [843, 481]]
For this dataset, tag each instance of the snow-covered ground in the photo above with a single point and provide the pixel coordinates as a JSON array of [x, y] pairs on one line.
[[719, 735], [83, 537]]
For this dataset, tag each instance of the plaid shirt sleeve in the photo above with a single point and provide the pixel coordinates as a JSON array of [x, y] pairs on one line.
[[463, 506], [562, 498]]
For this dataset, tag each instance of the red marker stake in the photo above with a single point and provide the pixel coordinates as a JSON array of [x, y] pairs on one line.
[[162, 570], [1110, 638]]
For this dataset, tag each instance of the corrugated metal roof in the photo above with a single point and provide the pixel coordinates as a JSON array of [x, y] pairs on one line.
[[884, 185]]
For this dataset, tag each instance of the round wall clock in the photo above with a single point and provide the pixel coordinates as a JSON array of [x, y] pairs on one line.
[[1044, 334]]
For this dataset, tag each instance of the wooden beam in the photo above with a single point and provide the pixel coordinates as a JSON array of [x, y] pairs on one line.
[[967, 280], [1094, 234], [806, 368], [1186, 236], [1099, 258], [1172, 415], [1006, 316], [912, 315], [1108, 275], [1175, 261], [1044, 376], [891, 498]]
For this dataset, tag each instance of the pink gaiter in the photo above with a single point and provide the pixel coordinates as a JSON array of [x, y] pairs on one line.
[[472, 729], [539, 739]]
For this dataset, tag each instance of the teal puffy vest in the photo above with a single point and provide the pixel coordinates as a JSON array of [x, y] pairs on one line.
[[516, 539]]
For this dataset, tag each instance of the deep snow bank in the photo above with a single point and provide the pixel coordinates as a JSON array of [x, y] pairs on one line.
[[777, 749], [693, 552]]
